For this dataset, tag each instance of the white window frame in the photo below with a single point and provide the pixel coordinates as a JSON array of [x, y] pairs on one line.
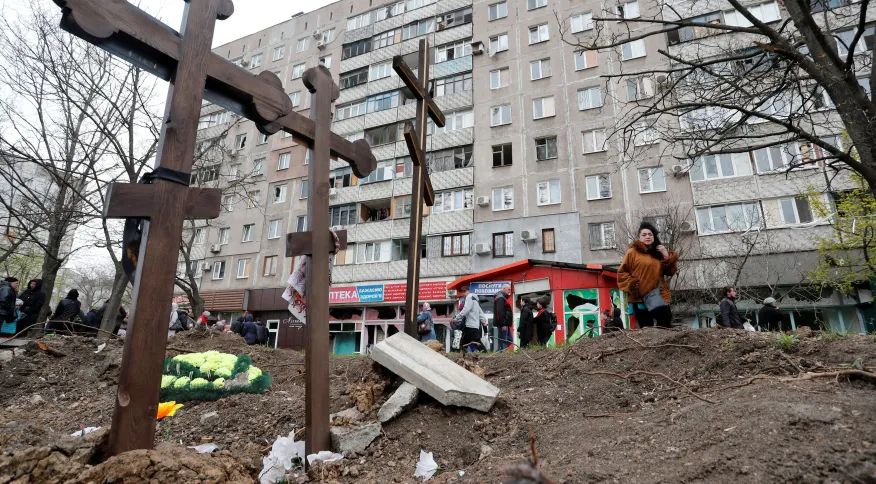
[[605, 228], [248, 231], [545, 146], [539, 33], [630, 9], [506, 195], [258, 166], [497, 10], [655, 177], [200, 235], [373, 252], [218, 270], [453, 200], [298, 70], [228, 203], [594, 136], [548, 192], [713, 211], [256, 60], [634, 49], [500, 41], [380, 70], [243, 268], [544, 107], [581, 22], [594, 184], [534, 4], [301, 44], [295, 97], [788, 154], [540, 69], [275, 228], [639, 88], [284, 160], [269, 265], [498, 115], [284, 189], [738, 163], [581, 55], [795, 209], [590, 98], [278, 53], [501, 76]]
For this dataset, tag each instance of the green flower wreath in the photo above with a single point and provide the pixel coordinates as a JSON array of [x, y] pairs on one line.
[[210, 375]]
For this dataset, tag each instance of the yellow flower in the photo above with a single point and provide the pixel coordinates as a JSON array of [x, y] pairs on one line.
[[168, 409]]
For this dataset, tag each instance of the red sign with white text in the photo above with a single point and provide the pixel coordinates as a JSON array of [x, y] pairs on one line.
[[429, 291]]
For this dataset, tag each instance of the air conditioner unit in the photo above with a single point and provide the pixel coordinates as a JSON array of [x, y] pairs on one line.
[[320, 44], [527, 235], [333, 192], [686, 227], [482, 248], [677, 170], [483, 201], [477, 48], [216, 248]]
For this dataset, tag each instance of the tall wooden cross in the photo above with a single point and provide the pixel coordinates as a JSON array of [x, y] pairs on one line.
[[421, 189], [195, 74]]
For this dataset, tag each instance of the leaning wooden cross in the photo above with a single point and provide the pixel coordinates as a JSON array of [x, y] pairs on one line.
[[421, 189], [195, 74]]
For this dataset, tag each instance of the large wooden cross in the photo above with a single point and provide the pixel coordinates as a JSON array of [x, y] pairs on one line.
[[421, 188], [195, 73]]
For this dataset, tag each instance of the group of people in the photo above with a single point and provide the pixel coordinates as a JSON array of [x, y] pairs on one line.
[[251, 330], [19, 310]]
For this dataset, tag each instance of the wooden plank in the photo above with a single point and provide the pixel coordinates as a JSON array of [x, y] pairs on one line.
[[419, 161], [301, 243], [420, 91], [138, 200]]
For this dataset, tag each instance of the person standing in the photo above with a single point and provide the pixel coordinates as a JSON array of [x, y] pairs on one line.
[[8, 312], [470, 319], [545, 322], [250, 332], [33, 299], [644, 275], [175, 324], [769, 316], [729, 314], [503, 316], [425, 325], [526, 326], [67, 310]]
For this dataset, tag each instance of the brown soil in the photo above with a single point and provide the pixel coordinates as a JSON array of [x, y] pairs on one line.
[[648, 406]]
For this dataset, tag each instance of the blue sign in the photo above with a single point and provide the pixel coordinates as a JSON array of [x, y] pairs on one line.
[[488, 288], [370, 293]]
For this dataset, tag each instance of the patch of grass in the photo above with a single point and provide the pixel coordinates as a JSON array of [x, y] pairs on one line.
[[786, 342], [832, 335]]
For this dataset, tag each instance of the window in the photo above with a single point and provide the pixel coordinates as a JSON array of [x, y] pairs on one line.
[[546, 148], [455, 244], [601, 235], [419, 27], [500, 115], [386, 39], [766, 12], [639, 88], [585, 59], [295, 97], [581, 22], [720, 165], [589, 98], [539, 69], [598, 187], [258, 166], [298, 70], [354, 78], [447, 52], [305, 189], [454, 121], [548, 241], [301, 45], [453, 201], [382, 102], [594, 141], [548, 192], [242, 268], [350, 110], [737, 217], [213, 119], [263, 138], [248, 230], [633, 49], [327, 35], [403, 207], [218, 270], [224, 233], [503, 198], [795, 210], [775, 158], [205, 175], [356, 48], [502, 155], [686, 34], [252, 198], [255, 61], [278, 52], [342, 215], [228, 203], [499, 78], [645, 132], [200, 235], [382, 135], [269, 265], [652, 180], [308, 156], [379, 71], [709, 117], [628, 9], [385, 170], [845, 38], [342, 177], [274, 229], [279, 194], [283, 161], [240, 141], [498, 10], [538, 33], [450, 159], [367, 252], [503, 244], [498, 43], [301, 223], [534, 4], [454, 84]]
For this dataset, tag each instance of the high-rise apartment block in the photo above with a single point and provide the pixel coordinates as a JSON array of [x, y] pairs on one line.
[[525, 168]]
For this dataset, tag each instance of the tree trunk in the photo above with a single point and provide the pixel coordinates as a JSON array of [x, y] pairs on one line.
[[120, 284]]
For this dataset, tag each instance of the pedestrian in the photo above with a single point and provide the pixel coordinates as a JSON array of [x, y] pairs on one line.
[[8, 313], [262, 333], [612, 319], [526, 325], [91, 322], [68, 310], [644, 275], [204, 319], [503, 316], [769, 317], [33, 299], [545, 321], [729, 315], [237, 326], [425, 325], [175, 323], [469, 318], [250, 332]]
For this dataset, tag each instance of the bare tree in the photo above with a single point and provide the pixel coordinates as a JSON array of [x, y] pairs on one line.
[[786, 76]]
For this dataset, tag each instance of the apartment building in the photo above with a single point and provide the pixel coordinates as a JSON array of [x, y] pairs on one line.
[[526, 166]]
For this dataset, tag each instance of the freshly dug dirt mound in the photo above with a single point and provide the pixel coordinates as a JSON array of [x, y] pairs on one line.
[[647, 406]]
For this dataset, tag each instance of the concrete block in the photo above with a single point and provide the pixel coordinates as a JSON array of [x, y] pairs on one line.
[[403, 398], [433, 373], [354, 439]]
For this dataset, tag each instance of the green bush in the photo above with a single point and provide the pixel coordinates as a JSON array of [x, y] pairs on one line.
[[786, 342]]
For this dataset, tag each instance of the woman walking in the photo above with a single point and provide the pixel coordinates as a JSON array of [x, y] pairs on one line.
[[644, 275]]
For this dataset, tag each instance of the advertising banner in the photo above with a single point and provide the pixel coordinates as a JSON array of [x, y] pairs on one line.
[[375, 293], [487, 288], [370, 293]]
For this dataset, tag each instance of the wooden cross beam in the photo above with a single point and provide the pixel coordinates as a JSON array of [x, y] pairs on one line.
[[196, 74], [421, 189]]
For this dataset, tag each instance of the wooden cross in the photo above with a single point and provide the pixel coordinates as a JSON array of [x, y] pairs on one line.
[[195, 74], [421, 189]]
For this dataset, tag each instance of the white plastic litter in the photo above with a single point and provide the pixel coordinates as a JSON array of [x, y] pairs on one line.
[[100, 347], [275, 465], [748, 326], [204, 448], [86, 430], [324, 456], [427, 466]]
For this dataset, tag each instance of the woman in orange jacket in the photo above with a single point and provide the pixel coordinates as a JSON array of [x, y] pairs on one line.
[[644, 274]]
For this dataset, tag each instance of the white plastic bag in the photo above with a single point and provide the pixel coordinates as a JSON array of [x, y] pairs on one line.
[[275, 465], [324, 456], [427, 466], [748, 326]]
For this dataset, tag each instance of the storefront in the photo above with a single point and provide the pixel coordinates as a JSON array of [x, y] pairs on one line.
[[578, 293]]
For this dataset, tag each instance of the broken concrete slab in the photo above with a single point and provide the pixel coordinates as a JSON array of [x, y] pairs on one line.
[[349, 415], [403, 398], [354, 439], [433, 373]]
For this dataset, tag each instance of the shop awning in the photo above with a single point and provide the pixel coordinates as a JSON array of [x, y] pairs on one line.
[[524, 264]]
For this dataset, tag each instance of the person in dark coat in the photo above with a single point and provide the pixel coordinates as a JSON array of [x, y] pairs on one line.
[[503, 316], [526, 326], [33, 299], [543, 321], [729, 314], [769, 317], [237, 326], [250, 332], [8, 295], [67, 311]]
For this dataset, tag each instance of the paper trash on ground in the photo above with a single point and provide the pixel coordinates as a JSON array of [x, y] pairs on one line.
[[204, 448], [324, 456], [427, 466], [280, 460], [85, 430]]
